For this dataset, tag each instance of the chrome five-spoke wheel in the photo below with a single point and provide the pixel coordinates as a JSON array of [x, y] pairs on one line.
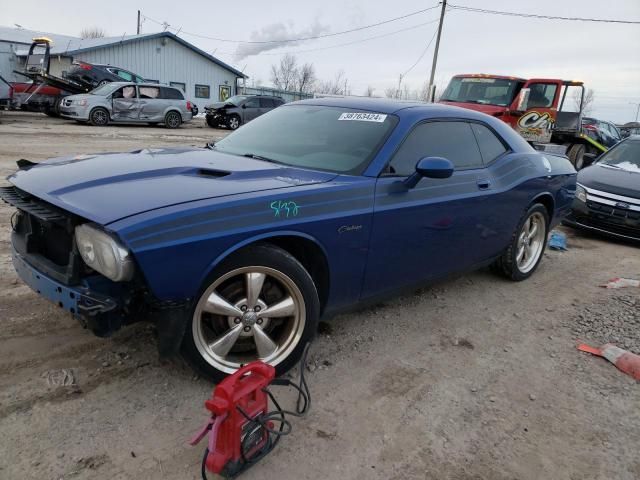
[[531, 242], [527, 245], [250, 313]]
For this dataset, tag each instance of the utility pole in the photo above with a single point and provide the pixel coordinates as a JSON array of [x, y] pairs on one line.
[[432, 87], [138, 29], [637, 109]]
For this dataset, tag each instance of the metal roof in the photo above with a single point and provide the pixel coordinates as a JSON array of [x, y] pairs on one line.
[[69, 46], [22, 35]]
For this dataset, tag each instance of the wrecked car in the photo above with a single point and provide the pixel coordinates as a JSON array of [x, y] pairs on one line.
[[239, 110], [128, 103], [236, 251]]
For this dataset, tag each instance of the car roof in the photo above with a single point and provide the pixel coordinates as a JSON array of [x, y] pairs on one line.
[[144, 84], [389, 106]]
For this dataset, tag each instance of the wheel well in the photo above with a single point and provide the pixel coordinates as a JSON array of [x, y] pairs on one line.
[[546, 200], [312, 258], [99, 108]]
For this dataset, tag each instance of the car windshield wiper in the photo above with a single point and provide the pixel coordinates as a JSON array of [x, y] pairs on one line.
[[259, 157]]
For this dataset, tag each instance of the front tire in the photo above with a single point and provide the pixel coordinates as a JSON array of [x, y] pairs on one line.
[[259, 304], [527, 246], [234, 122], [99, 117]]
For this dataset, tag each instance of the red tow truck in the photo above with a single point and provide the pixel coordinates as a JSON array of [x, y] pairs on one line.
[[535, 108]]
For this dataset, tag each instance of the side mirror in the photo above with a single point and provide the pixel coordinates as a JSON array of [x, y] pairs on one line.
[[430, 167], [244, 105], [523, 99]]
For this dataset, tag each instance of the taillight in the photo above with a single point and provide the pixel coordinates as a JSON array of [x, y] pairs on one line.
[[189, 106], [590, 127], [85, 66]]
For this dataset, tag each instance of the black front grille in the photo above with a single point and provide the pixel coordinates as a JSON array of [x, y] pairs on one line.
[[44, 235], [611, 212], [610, 218]]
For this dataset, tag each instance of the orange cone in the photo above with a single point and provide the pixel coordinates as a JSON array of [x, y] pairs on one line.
[[624, 361]]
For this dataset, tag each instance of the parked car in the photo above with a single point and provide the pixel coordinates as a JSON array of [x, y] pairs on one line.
[[236, 250], [605, 133], [95, 75], [608, 193], [128, 102], [240, 109]]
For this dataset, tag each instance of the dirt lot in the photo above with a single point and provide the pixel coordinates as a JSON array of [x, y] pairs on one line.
[[472, 378]]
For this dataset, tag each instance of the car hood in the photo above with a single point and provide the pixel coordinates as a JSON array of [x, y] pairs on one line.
[[107, 187], [612, 180], [217, 105]]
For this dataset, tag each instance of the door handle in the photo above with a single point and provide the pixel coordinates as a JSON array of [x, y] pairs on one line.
[[484, 184]]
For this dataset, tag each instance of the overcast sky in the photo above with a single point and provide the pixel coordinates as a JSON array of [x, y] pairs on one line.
[[605, 56]]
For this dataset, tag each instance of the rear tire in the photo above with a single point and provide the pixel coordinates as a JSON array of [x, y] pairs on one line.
[[279, 284], [172, 120], [99, 117], [576, 155], [523, 255]]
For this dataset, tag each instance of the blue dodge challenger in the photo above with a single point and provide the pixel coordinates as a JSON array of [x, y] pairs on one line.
[[236, 250]]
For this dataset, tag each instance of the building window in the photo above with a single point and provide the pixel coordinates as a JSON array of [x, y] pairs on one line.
[[224, 92], [202, 91], [179, 85]]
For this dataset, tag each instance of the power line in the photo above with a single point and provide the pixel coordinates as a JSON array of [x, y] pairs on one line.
[[543, 17], [301, 39], [424, 52]]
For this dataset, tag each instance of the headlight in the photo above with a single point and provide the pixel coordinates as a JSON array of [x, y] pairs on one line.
[[82, 102], [103, 253], [581, 193]]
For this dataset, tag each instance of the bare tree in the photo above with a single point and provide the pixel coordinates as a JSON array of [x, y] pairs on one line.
[[92, 32], [587, 102], [391, 92], [369, 91], [306, 78], [284, 75], [337, 86]]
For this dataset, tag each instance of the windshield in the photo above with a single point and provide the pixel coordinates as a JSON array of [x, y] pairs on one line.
[[485, 91], [236, 99], [626, 155], [105, 89], [335, 139]]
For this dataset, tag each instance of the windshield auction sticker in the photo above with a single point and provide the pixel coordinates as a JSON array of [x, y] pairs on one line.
[[363, 117]]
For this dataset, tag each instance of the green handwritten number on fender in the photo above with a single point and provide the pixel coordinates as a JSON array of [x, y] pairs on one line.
[[284, 209]]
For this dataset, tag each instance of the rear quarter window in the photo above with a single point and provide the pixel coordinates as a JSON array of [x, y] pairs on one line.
[[171, 93], [491, 147]]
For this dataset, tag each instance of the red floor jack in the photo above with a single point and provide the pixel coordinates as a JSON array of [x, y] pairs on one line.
[[241, 429]]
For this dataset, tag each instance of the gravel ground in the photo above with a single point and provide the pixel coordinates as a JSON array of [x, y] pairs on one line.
[[471, 378], [615, 319]]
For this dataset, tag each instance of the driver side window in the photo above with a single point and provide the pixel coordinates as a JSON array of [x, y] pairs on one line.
[[452, 140]]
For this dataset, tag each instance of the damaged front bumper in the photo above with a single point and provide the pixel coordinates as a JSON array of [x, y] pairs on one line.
[[80, 300]]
